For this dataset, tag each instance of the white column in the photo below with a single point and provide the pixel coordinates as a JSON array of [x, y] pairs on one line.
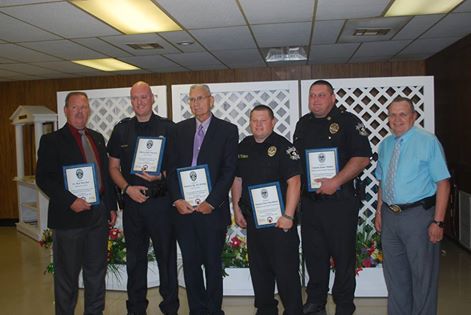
[[20, 162], [38, 132]]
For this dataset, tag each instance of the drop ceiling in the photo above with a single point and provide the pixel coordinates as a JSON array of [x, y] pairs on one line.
[[38, 38]]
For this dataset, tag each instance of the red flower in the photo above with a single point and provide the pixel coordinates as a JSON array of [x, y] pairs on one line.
[[235, 242], [366, 263], [113, 234]]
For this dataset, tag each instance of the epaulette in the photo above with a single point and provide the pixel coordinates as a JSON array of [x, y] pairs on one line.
[[124, 120]]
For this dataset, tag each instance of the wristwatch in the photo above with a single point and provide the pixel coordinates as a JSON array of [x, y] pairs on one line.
[[123, 192], [440, 224]]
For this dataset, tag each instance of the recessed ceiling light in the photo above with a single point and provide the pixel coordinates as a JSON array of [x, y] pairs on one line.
[[185, 43], [106, 64], [285, 54], [129, 16], [371, 31], [421, 7], [145, 46]]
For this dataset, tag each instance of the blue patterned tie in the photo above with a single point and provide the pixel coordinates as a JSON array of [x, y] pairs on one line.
[[389, 186]]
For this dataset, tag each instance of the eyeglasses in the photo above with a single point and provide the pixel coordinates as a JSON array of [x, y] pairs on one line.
[[197, 99]]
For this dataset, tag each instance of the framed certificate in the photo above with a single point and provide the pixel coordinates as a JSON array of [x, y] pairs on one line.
[[81, 180], [320, 163], [148, 155], [267, 204], [195, 183]]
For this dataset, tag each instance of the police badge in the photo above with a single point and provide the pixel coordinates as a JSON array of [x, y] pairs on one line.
[[271, 151], [334, 128]]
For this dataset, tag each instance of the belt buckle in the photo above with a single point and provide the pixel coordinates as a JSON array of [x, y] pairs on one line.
[[395, 208]]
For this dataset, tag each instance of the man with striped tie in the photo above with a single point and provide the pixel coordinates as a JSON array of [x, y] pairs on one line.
[[412, 201]]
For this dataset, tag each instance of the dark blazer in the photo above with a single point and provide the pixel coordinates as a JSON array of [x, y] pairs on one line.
[[59, 149], [218, 151]]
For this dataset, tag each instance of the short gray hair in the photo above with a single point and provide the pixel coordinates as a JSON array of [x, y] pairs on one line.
[[203, 86]]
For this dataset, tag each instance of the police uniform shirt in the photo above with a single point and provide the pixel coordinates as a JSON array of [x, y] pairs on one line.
[[339, 129], [275, 159], [123, 141]]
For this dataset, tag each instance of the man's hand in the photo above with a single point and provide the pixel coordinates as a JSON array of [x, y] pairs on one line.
[[378, 221], [435, 233], [113, 217], [204, 208], [239, 218], [284, 223], [328, 186], [80, 205], [149, 178], [135, 193], [183, 207]]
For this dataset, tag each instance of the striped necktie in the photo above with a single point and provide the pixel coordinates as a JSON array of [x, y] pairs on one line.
[[199, 136], [389, 193], [90, 155]]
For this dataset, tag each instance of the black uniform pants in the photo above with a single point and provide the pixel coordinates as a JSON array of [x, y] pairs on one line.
[[81, 248], [274, 256], [155, 219], [328, 229]]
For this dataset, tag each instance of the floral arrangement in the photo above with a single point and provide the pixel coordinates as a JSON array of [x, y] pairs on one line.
[[116, 249], [235, 252], [369, 253]]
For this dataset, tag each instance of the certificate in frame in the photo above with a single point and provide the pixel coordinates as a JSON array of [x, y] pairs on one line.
[[195, 183], [81, 181], [148, 155], [267, 204], [320, 163]]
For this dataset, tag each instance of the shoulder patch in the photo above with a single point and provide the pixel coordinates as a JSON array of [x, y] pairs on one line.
[[242, 156], [360, 127], [292, 153]]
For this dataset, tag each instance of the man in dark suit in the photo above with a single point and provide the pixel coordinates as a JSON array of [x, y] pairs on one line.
[[201, 229], [80, 230]]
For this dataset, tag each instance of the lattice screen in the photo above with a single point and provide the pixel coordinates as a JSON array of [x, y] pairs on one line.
[[109, 106], [233, 102], [368, 99]]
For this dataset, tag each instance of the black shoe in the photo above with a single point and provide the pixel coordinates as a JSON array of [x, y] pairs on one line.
[[137, 313], [314, 309]]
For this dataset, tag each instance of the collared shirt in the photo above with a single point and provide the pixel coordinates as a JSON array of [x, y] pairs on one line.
[[204, 123], [421, 165]]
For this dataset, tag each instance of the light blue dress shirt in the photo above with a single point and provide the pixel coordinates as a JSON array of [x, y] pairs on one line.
[[421, 165]]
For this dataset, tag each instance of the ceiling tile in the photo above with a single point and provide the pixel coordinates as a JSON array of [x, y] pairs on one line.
[[365, 59], [336, 51], [23, 54], [286, 34], [197, 67], [417, 26], [240, 58], [6, 3], [16, 31], [64, 49], [182, 36], [122, 42], [237, 37], [204, 13], [68, 67], [7, 73], [61, 18], [102, 47], [197, 58], [456, 24], [6, 60], [392, 23], [150, 62], [326, 32], [277, 11], [381, 49], [28, 69], [465, 6], [340, 10], [428, 45]]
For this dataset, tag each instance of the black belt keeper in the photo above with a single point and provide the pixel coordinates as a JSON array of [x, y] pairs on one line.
[[426, 203]]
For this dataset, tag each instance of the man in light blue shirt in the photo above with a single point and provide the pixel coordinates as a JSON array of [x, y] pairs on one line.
[[412, 201]]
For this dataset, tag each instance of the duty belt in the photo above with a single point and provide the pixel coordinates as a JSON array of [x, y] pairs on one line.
[[427, 203], [155, 192]]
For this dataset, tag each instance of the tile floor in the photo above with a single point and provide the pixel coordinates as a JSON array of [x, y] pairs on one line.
[[25, 289]]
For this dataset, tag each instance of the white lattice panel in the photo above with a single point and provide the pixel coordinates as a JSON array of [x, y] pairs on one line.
[[368, 98], [109, 106], [233, 102]]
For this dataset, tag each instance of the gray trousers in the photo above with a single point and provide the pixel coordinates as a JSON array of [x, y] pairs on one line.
[[411, 261]]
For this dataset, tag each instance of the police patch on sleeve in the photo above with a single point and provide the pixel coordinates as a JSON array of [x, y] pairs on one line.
[[360, 127], [293, 154]]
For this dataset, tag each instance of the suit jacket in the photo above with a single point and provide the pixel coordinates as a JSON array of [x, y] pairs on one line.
[[218, 151], [59, 149]]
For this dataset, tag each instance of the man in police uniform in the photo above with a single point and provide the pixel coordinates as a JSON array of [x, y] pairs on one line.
[[263, 158], [412, 201], [147, 208], [330, 214]]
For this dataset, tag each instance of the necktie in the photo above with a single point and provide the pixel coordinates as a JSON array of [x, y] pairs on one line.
[[389, 187], [199, 136], [90, 155]]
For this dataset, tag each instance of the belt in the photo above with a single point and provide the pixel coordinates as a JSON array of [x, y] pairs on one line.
[[427, 203], [156, 192]]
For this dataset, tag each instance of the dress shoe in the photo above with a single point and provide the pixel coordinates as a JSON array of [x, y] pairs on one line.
[[314, 309], [137, 313]]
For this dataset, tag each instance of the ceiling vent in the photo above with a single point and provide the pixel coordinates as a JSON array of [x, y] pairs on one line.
[[285, 54], [371, 31], [145, 46]]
